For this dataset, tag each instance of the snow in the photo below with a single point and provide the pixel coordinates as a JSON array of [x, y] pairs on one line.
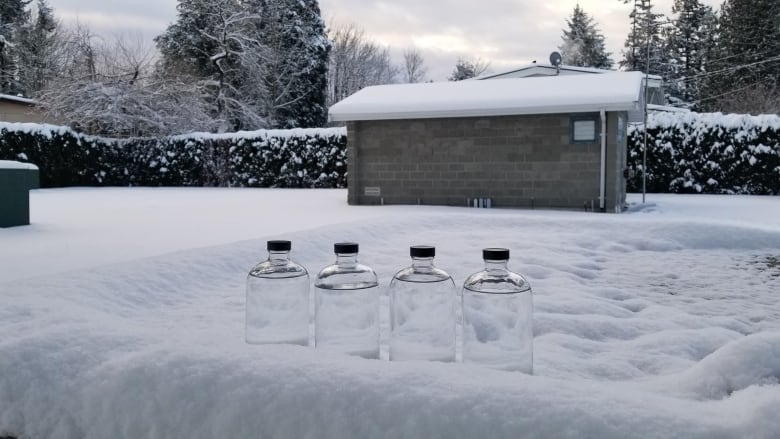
[[10, 164], [617, 91], [705, 121], [122, 316], [43, 129], [266, 134], [48, 130]]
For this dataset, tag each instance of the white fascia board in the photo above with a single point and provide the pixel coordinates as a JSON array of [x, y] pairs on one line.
[[484, 112]]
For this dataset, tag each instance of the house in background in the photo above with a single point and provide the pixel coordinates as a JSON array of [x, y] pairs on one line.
[[655, 93], [556, 142], [16, 109]]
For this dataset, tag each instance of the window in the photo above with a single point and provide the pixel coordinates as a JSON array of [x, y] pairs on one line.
[[583, 130]]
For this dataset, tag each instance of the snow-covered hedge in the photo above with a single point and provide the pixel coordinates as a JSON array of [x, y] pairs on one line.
[[708, 153], [269, 158]]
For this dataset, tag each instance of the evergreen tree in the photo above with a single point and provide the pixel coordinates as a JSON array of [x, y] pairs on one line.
[[690, 42], [646, 30], [12, 15], [296, 62], [214, 42], [747, 68], [583, 43], [37, 49]]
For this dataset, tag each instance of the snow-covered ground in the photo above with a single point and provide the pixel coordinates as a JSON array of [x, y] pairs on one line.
[[121, 316]]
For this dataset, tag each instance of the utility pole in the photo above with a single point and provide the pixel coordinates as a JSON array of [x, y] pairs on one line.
[[647, 94]]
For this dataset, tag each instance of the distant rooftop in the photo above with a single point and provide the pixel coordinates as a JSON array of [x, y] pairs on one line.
[[532, 70], [611, 91], [4, 97]]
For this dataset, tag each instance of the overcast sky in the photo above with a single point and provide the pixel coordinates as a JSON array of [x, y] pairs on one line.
[[508, 33]]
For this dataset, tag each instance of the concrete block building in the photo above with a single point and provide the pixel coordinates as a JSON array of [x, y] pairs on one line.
[[538, 142]]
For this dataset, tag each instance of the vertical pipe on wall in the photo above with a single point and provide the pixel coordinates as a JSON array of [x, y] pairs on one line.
[[603, 176]]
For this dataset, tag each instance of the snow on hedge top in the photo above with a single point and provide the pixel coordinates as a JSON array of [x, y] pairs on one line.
[[10, 164], [618, 91], [43, 129], [50, 130], [727, 121], [265, 134]]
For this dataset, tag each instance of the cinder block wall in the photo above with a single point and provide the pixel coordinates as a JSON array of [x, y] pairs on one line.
[[518, 161]]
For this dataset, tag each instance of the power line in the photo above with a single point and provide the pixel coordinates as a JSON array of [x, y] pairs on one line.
[[726, 70], [709, 98]]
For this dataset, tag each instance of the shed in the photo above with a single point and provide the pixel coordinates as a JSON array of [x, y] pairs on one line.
[[557, 142]]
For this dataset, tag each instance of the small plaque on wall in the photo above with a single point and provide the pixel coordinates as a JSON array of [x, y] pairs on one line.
[[372, 191]]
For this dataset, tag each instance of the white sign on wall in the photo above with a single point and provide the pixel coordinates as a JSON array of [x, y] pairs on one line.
[[372, 191]]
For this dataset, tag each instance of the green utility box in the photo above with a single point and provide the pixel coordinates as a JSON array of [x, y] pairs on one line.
[[16, 180]]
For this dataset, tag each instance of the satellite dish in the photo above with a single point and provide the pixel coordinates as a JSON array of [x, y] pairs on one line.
[[555, 59]]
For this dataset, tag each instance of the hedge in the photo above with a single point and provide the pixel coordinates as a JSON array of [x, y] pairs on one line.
[[687, 153], [707, 153], [300, 158]]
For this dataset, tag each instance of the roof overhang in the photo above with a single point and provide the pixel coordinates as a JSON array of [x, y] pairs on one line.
[[483, 112]]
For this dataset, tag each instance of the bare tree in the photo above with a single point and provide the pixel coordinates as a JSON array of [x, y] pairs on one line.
[[760, 98], [414, 66], [111, 89], [465, 69], [78, 53], [129, 56], [356, 62]]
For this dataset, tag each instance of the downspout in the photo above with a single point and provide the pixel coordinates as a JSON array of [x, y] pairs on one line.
[[603, 176]]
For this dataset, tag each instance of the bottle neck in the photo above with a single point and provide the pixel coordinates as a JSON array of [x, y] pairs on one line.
[[422, 264], [496, 265], [346, 259], [279, 258]]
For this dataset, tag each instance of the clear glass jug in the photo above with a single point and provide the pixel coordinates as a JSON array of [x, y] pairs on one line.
[[423, 302], [498, 316], [347, 305], [277, 299]]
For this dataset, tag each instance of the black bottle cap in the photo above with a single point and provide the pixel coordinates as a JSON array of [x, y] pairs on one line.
[[279, 246], [495, 254], [422, 251], [345, 247]]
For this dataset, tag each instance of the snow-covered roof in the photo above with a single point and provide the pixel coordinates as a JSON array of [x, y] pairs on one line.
[[4, 97], [616, 91], [10, 164]]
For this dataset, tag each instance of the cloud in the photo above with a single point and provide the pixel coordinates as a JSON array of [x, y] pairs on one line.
[[108, 17], [508, 33]]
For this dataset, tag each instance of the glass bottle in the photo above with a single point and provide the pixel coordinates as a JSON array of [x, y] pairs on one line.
[[498, 316], [423, 302], [347, 305], [277, 299]]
